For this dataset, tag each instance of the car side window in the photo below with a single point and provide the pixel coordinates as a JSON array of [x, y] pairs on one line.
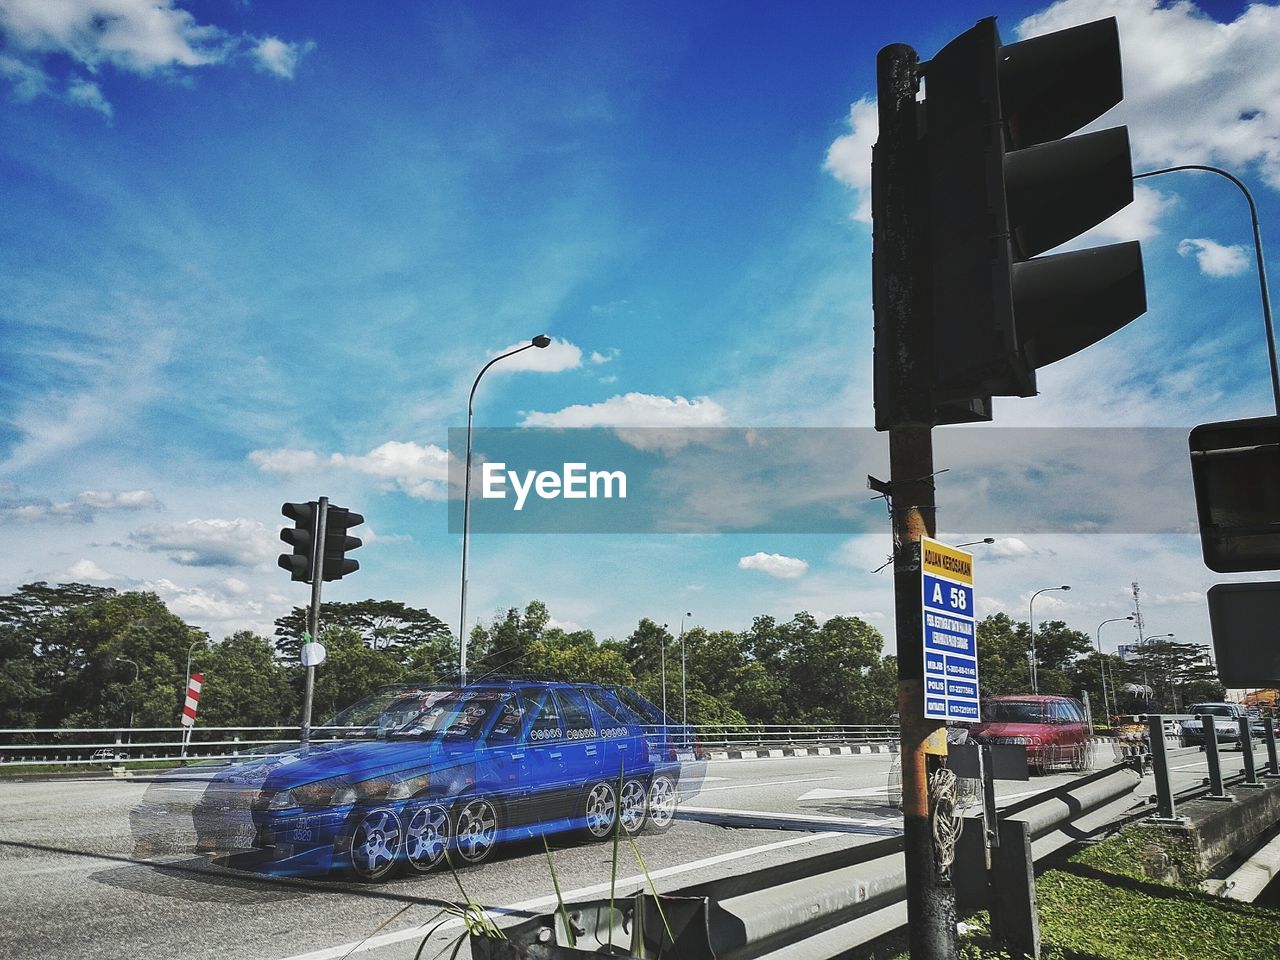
[[578, 723], [546, 721], [1061, 712], [506, 729]]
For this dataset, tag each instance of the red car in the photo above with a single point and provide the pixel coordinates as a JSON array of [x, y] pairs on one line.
[[1053, 729]]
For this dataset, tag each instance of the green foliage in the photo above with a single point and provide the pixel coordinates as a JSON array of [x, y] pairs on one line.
[[381, 624]]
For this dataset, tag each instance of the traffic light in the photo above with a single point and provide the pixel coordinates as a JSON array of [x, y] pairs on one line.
[[302, 538], [336, 543], [1235, 468], [1003, 187]]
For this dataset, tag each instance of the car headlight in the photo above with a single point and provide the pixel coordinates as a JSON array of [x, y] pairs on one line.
[[320, 793]]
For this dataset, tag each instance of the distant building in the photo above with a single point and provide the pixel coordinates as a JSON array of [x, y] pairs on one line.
[[1128, 651]]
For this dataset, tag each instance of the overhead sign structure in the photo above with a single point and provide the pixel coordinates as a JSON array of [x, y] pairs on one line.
[[950, 633]]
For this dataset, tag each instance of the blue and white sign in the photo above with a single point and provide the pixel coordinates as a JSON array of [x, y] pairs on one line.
[[950, 633]]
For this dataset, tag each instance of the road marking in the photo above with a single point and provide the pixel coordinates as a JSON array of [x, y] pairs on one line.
[[412, 933], [770, 783], [804, 818], [826, 793]]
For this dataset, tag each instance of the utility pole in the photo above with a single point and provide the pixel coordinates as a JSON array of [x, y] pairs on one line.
[[905, 356], [313, 614]]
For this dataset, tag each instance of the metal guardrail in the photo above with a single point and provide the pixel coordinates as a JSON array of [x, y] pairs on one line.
[[1166, 801], [110, 746], [813, 907]]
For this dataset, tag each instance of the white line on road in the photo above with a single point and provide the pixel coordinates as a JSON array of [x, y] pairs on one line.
[[412, 933], [770, 783]]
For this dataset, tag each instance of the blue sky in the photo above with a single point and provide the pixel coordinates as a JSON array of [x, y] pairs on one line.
[[256, 252]]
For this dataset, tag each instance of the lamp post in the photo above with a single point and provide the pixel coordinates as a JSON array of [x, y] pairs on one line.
[[662, 660], [1035, 672], [1102, 667], [541, 341], [684, 696], [974, 543], [136, 673]]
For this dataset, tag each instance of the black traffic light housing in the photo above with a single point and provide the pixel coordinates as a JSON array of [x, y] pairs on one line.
[[336, 543], [1002, 187], [302, 537], [1235, 467]]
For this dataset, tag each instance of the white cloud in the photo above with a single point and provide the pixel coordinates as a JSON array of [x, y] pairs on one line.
[[275, 56], [28, 82], [557, 356], [141, 36], [849, 156], [1214, 259], [1006, 548], [417, 470], [145, 37], [775, 565], [420, 471], [634, 410], [1137, 221], [211, 543], [82, 509], [598, 358], [285, 460], [124, 500], [86, 93], [1196, 90], [86, 571]]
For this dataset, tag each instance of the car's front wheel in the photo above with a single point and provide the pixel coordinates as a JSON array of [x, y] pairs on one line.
[[427, 834], [475, 829], [662, 803], [376, 842], [599, 810]]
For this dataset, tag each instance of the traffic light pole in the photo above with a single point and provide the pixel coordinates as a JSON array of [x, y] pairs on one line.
[[902, 330], [313, 614]]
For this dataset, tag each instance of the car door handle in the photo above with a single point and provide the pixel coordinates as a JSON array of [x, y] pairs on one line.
[[517, 756], [555, 755], [591, 751]]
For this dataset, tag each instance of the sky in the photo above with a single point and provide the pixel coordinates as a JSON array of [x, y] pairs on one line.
[[253, 253]]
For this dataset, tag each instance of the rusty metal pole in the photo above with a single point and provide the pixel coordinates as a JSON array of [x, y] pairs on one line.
[[904, 404]]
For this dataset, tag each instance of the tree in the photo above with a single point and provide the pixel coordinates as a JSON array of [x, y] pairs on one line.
[[351, 671], [85, 654], [244, 684], [1178, 673], [25, 665], [381, 624]]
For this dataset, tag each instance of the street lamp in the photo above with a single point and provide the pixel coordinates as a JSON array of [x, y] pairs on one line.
[[541, 341], [1102, 667], [1035, 673], [974, 543], [684, 697], [136, 672]]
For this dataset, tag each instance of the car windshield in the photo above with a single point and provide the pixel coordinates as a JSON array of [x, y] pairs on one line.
[[1013, 711], [455, 715], [1213, 709], [384, 711]]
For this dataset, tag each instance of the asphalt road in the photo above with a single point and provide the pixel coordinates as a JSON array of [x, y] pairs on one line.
[[69, 886]]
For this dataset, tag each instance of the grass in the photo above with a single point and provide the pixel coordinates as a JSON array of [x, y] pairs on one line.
[[38, 769], [1101, 904]]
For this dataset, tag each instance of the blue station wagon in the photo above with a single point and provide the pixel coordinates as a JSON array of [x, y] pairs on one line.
[[418, 770]]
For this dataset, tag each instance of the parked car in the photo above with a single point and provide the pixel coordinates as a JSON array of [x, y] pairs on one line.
[[1226, 723], [419, 770], [1053, 729]]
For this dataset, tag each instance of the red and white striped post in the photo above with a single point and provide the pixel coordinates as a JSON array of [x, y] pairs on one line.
[[190, 707]]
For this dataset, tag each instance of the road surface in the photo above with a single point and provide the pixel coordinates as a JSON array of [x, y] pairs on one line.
[[70, 888]]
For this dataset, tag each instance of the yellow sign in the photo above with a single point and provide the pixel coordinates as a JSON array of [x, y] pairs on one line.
[[943, 561]]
